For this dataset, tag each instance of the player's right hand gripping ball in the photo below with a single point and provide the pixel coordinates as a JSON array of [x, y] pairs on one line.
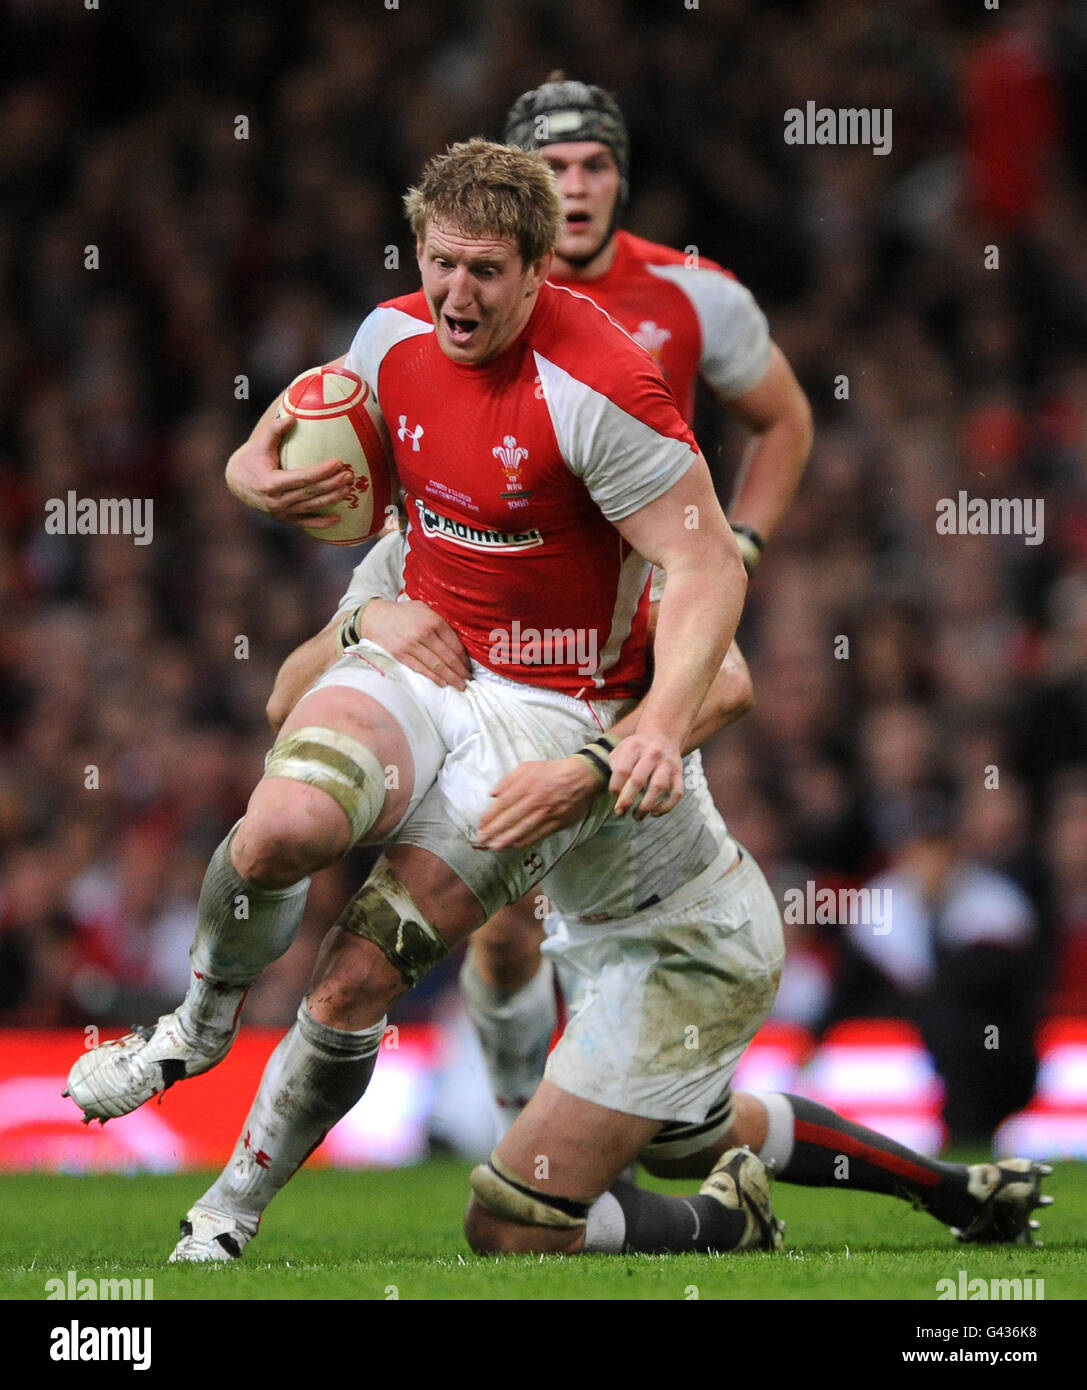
[[336, 416]]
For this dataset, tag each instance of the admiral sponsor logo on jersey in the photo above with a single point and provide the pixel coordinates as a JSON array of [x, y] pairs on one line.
[[434, 523]]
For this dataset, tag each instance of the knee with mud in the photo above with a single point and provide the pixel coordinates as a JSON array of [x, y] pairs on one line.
[[350, 983], [286, 837], [383, 912]]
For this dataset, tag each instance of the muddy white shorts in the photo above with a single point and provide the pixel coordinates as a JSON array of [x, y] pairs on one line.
[[463, 743], [666, 1000]]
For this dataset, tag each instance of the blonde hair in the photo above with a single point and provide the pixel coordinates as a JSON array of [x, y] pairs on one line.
[[486, 190]]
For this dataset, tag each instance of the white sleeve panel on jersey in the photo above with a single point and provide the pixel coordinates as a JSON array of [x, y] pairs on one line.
[[623, 462], [379, 332], [380, 574], [735, 334]]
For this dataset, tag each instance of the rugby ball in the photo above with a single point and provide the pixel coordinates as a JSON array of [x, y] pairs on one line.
[[336, 416]]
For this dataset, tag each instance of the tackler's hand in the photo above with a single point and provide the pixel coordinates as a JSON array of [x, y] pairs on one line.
[[535, 800], [412, 632]]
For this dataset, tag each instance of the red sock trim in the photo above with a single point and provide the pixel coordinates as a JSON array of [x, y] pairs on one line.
[[827, 1138]]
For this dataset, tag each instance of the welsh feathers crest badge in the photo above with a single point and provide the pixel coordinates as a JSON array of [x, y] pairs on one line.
[[510, 455]]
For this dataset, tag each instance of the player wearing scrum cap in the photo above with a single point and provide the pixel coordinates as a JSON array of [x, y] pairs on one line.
[[697, 322]]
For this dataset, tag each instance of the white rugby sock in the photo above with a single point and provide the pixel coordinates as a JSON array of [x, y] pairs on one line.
[[312, 1080], [777, 1149], [605, 1226], [514, 1032], [241, 928]]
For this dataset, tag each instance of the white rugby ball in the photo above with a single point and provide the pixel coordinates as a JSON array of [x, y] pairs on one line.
[[336, 417]]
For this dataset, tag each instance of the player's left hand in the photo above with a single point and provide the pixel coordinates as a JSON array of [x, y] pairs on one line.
[[535, 800], [646, 775]]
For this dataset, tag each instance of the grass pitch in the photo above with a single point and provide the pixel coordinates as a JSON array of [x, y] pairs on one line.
[[396, 1235]]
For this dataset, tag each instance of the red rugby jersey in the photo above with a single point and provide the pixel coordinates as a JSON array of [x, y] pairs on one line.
[[514, 472], [693, 317]]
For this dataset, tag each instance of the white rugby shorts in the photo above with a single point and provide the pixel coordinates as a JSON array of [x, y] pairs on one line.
[[463, 743], [666, 1000]]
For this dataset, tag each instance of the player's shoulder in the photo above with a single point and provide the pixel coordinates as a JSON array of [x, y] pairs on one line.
[[574, 333], [650, 254], [414, 305], [393, 322]]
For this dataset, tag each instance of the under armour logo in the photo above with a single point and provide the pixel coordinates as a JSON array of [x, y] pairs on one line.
[[405, 434]]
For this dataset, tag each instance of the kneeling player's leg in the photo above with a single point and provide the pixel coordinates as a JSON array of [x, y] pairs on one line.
[[551, 1185], [512, 999], [810, 1145], [384, 941], [813, 1146]]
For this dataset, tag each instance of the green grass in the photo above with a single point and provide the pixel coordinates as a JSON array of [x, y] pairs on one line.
[[333, 1235]]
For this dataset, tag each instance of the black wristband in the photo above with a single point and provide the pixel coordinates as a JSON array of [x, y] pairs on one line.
[[752, 535], [349, 632], [596, 762], [598, 755], [752, 552]]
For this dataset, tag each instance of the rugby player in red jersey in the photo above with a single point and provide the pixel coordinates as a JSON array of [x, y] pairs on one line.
[[493, 370], [697, 322]]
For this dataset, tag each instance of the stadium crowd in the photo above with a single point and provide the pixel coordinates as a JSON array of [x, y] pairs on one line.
[[201, 206]]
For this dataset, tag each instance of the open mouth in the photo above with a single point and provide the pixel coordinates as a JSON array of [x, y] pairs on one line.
[[461, 331], [577, 219]]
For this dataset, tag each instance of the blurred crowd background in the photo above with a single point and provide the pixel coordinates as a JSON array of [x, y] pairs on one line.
[[943, 747]]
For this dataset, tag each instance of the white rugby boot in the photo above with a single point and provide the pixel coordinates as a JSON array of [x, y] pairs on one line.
[[209, 1237], [117, 1077], [1007, 1192], [739, 1180]]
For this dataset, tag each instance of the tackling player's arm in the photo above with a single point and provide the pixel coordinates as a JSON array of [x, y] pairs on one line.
[[407, 629], [309, 660], [684, 532], [777, 413], [297, 495], [536, 799]]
